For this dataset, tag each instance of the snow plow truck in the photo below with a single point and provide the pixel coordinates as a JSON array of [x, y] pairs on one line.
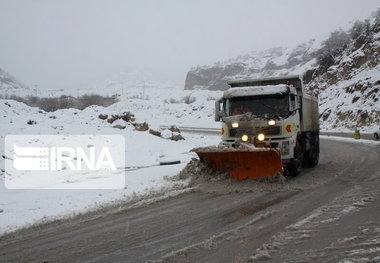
[[270, 126]]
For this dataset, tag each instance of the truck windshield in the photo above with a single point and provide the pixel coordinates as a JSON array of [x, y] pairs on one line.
[[277, 105]]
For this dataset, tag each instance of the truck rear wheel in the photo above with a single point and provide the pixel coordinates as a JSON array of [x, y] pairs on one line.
[[311, 157]]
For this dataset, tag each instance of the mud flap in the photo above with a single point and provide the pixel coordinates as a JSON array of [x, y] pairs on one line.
[[243, 164]]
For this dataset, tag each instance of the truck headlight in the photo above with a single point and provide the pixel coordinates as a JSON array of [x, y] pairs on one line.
[[261, 137], [271, 122], [235, 125], [244, 138], [285, 148]]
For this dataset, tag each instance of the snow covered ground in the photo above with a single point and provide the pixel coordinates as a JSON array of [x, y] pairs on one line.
[[144, 151]]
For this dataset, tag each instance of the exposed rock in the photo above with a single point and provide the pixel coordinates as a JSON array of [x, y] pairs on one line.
[[118, 126], [113, 118], [141, 126], [355, 99], [126, 116], [155, 133], [177, 137], [103, 116], [31, 122], [174, 135], [174, 129]]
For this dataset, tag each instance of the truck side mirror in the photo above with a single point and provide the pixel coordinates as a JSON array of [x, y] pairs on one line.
[[218, 111]]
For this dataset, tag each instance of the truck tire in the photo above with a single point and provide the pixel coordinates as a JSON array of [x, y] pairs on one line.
[[294, 167], [311, 157]]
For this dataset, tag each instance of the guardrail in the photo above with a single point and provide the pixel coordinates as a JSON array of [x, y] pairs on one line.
[[215, 131], [367, 136]]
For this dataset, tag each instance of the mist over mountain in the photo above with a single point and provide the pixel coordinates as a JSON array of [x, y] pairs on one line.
[[9, 84]]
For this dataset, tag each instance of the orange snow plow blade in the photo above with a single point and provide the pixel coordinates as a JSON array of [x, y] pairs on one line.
[[243, 164]]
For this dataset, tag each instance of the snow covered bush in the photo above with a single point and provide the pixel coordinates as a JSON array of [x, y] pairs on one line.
[[188, 99]]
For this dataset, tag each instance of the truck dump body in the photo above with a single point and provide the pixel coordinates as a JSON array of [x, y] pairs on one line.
[[310, 114]]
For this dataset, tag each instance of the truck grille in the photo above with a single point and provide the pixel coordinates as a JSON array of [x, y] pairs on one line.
[[270, 130], [240, 132]]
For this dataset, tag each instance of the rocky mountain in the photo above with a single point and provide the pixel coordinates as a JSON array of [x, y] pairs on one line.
[[349, 85], [344, 70], [271, 62], [9, 84]]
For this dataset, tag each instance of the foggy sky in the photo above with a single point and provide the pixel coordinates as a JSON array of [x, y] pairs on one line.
[[79, 43]]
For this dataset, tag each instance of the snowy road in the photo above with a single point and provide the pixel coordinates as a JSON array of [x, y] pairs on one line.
[[328, 214]]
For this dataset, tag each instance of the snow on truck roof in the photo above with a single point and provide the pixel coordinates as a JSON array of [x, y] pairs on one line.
[[282, 79], [256, 91]]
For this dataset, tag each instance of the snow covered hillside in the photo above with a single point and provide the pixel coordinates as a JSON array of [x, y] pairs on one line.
[[10, 85], [344, 70], [349, 84]]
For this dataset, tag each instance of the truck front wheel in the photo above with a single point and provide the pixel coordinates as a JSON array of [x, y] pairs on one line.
[[294, 167]]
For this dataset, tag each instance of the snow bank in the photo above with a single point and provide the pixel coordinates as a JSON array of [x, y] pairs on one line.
[[349, 140]]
